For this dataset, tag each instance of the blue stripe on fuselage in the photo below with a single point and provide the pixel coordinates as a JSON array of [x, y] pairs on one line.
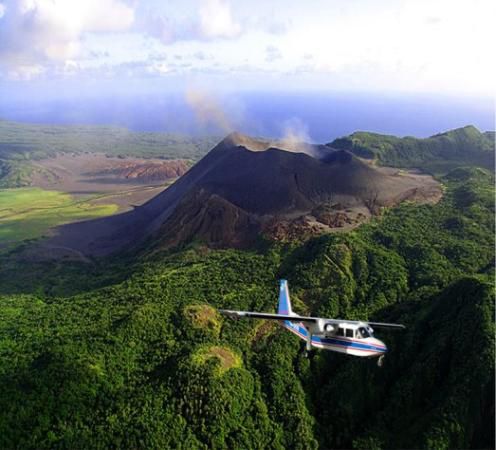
[[302, 331]]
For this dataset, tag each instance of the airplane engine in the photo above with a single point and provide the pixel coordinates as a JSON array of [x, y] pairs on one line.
[[322, 327], [329, 328]]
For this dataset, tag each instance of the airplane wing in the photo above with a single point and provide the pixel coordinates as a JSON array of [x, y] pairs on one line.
[[256, 315], [285, 312], [294, 318], [393, 326]]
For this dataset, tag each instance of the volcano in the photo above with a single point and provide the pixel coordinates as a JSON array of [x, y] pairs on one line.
[[245, 187]]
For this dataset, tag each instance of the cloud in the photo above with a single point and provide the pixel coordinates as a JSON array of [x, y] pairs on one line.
[[25, 72], [216, 20], [268, 23], [164, 28], [202, 56], [38, 32], [159, 68], [158, 56], [272, 53], [213, 20], [99, 54]]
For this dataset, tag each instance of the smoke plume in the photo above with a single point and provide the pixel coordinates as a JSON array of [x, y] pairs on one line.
[[295, 135], [207, 110]]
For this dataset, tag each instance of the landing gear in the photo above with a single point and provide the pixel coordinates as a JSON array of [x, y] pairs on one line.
[[309, 354], [307, 350], [380, 361]]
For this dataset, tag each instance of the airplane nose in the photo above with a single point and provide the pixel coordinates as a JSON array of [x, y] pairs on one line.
[[384, 348]]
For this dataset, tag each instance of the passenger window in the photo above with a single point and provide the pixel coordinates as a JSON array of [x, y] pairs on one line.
[[340, 332], [349, 333]]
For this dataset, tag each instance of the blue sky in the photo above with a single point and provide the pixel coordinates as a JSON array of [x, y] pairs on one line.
[[75, 46]]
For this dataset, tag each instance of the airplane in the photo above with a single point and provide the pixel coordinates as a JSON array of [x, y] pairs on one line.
[[353, 337]]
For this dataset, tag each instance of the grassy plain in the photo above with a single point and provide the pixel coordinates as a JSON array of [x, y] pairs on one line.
[[28, 213]]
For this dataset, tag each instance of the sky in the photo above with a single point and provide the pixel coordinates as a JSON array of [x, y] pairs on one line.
[[412, 45], [52, 49]]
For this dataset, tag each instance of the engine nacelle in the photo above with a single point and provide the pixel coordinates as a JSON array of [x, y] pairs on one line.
[[329, 328], [322, 327]]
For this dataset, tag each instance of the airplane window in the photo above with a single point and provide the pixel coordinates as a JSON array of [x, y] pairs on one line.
[[349, 333], [363, 332]]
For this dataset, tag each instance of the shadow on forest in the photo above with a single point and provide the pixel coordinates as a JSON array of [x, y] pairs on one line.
[[53, 278]]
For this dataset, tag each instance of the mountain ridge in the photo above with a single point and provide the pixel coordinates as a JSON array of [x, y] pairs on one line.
[[436, 154]]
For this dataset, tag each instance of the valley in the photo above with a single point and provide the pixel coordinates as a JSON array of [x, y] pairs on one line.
[[74, 188]]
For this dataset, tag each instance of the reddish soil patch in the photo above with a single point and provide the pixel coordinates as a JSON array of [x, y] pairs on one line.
[[88, 173], [127, 182], [145, 172]]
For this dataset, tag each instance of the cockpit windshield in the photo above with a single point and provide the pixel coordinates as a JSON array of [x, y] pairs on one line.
[[363, 332]]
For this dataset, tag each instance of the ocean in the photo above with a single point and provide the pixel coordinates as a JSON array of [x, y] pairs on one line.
[[314, 116]]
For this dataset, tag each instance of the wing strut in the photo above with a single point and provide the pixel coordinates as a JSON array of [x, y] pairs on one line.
[[309, 341]]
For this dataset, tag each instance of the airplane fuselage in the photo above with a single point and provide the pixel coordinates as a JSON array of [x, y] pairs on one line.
[[365, 347]]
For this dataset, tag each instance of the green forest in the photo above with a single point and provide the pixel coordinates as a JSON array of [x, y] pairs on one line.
[[436, 154], [131, 352]]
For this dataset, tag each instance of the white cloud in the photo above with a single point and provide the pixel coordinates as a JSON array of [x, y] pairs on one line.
[[25, 72], [272, 53], [421, 45], [216, 20], [212, 19], [159, 68], [34, 32], [412, 45], [160, 27]]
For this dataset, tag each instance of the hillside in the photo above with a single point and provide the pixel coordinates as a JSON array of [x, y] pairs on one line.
[[437, 154], [131, 353], [244, 188]]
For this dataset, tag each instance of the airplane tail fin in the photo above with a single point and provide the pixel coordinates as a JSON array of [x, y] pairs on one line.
[[284, 306]]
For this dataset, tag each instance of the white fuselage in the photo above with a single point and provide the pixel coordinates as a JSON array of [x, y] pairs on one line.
[[351, 345]]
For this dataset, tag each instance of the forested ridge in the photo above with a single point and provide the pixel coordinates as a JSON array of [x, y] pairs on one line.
[[132, 353], [436, 154]]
